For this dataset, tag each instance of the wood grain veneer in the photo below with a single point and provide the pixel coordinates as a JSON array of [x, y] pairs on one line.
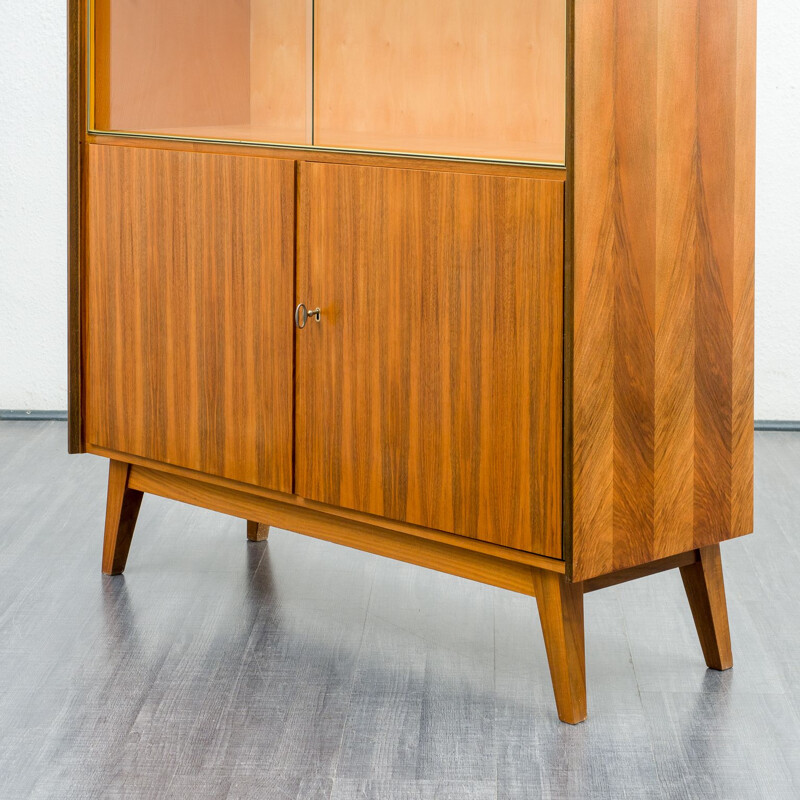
[[189, 310], [662, 315], [430, 392], [343, 514], [640, 571], [442, 556]]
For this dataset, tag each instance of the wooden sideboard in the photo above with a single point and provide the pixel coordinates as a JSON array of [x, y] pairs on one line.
[[469, 287]]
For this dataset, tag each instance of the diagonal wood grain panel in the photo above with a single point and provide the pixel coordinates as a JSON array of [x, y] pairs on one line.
[[634, 210], [662, 176], [675, 179]]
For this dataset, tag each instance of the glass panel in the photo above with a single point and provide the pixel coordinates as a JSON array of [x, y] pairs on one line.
[[452, 77], [221, 69], [465, 78]]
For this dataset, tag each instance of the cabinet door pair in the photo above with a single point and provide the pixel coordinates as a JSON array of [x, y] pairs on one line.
[[429, 391]]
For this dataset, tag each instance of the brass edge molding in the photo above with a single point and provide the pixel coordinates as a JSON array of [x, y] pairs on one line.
[[325, 149]]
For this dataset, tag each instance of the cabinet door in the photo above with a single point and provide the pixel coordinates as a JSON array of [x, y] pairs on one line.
[[430, 389], [188, 298]]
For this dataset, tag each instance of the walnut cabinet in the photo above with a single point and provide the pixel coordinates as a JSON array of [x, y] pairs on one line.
[[468, 285]]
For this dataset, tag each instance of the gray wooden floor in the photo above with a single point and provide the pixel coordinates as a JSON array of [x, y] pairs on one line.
[[216, 668]]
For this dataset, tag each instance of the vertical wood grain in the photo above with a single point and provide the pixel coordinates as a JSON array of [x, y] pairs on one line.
[[430, 392], [662, 316], [189, 310]]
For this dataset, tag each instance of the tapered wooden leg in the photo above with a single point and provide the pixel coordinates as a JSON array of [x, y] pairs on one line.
[[560, 606], [705, 589], [257, 531], [122, 509]]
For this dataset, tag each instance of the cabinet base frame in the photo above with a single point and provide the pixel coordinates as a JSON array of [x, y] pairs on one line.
[[559, 601]]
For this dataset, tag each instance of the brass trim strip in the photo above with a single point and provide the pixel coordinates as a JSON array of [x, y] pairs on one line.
[[324, 149]]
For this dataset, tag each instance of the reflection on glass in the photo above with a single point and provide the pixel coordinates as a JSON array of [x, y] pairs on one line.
[[221, 69], [459, 77], [465, 78]]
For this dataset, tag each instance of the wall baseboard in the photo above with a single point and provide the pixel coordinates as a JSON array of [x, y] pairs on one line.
[[33, 416], [39, 415], [777, 425]]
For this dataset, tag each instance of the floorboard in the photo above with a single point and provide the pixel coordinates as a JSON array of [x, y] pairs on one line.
[[291, 668]]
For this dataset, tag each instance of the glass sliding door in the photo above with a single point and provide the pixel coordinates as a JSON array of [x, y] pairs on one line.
[[451, 78]]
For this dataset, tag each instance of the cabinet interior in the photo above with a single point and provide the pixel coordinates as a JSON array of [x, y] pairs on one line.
[[458, 78]]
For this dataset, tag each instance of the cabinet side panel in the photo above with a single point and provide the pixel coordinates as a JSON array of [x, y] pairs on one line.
[[189, 310], [662, 179]]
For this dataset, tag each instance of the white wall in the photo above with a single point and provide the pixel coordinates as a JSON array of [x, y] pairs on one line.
[[778, 212], [33, 208], [33, 203]]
